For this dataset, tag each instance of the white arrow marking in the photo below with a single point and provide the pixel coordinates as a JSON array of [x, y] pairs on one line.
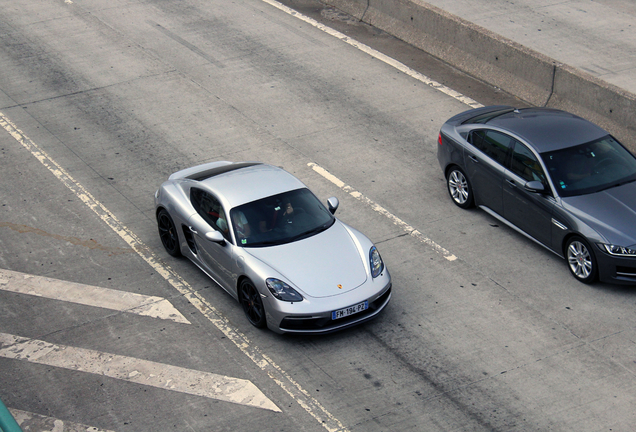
[[135, 370], [156, 307], [29, 421]]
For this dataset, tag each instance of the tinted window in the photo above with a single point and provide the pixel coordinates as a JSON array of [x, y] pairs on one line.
[[492, 143], [590, 167], [279, 219], [525, 164], [210, 210]]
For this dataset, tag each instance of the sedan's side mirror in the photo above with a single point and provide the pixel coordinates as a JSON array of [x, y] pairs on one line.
[[333, 204], [535, 187], [215, 236]]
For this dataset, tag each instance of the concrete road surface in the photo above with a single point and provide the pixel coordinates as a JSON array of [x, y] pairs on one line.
[[100, 101]]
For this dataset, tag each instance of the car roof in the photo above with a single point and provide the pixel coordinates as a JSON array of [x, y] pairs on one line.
[[240, 183], [548, 129]]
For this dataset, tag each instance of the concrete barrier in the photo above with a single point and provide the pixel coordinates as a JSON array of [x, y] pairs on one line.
[[522, 72]]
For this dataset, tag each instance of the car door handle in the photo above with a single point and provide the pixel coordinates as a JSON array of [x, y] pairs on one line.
[[511, 183], [473, 158], [192, 230]]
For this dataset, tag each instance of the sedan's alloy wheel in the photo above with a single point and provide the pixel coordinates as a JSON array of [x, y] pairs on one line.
[[580, 260], [459, 188]]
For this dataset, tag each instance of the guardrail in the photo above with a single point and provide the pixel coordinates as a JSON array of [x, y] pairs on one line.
[[503, 63], [7, 422]]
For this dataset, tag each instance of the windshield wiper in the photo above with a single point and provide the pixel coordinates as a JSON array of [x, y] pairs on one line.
[[311, 232], [621, 183]]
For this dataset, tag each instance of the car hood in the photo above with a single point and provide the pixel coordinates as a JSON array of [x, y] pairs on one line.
[[611, 213], [323, 265]]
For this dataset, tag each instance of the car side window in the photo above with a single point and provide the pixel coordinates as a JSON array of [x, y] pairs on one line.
[[210, 210], [492, 143], [525, 164]]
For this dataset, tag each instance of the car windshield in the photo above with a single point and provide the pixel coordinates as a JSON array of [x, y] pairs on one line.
[[590, 167], [280, 219]]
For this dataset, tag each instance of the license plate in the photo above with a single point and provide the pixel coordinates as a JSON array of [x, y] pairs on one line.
[[341, 313]]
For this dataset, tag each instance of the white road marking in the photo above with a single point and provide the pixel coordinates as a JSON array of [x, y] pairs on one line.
[[156, 307], [29, 421], [267, 365], [408, 71], [163, 376], [378, 55], [378, 208], [280, 377]]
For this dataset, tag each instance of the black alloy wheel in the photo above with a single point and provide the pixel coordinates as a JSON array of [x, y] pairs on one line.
[[252, 304], [168, 233], [459, 188]]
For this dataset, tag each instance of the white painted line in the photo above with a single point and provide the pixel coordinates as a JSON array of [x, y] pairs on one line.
[[280, 377], [378, 55], [384, 212], [29, 421], [163, 376], [156, 307], [267, 365]]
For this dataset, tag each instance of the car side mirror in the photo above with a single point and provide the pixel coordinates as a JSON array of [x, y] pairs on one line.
[[333, 204], [535, 187], [215, 236]]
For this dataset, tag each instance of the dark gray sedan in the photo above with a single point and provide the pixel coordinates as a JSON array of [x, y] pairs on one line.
[[554, 177]]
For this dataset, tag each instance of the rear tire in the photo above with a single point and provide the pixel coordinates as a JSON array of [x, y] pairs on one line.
[[459, 188], [581, 260], [168, 233]]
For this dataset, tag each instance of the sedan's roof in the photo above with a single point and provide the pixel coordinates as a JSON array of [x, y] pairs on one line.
[[548, 129], [240, 183]]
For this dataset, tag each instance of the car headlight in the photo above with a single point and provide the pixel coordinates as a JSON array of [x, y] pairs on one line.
[[376, 262], [282, 291], [618, 250]]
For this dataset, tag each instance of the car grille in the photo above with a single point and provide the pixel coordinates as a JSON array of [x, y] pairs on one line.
[[326, 323]]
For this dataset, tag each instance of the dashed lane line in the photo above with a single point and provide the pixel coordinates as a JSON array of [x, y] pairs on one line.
[[406, 70], [123, 301], [163, 376], [266, 364], [261, 360], [384, 212]]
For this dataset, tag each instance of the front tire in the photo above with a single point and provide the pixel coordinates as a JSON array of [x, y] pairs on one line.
[[581, 260], [168, 233], [252, 304], [459, 188]]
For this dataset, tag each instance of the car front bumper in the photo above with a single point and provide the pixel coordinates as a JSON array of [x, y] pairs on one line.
[[322, 322], [616, 269]]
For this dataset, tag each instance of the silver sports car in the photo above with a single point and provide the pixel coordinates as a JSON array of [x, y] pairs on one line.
[[261, 235]]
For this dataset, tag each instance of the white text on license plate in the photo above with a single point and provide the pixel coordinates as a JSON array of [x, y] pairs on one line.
[[350, 310]]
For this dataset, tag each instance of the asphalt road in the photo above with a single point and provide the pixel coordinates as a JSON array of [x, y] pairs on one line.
[[100, 101]]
